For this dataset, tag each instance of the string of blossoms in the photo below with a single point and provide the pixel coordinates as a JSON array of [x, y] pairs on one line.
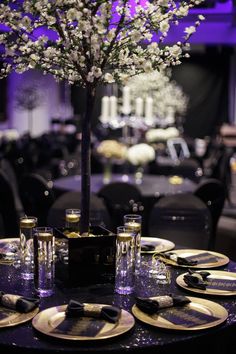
[[83, 38]]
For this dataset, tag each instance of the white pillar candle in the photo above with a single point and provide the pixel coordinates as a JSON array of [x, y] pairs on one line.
[[149, 110], [126, 107], [105, 110], [113, 107], [139, 107]]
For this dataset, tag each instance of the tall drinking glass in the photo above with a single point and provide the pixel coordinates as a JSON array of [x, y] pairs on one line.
[[43, 260], [125, 272], [134, 223], [73, 219], [27, 223]]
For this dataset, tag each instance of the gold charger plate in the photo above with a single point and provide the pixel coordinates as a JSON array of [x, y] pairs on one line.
[[4, 242], [9, 317], [215, 274], [160, 244], [223, 260], [48, 320], [201, 305]]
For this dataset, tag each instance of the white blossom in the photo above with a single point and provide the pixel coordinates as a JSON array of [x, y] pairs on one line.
[[85, 39]]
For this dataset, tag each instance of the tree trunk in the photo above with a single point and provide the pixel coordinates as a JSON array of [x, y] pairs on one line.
[[85, 160]]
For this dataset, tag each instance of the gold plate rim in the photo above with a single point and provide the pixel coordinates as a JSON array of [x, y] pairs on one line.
[[224, 261], [218, 292], [215, 308], [169, 245], [21, 318], [40, 323]]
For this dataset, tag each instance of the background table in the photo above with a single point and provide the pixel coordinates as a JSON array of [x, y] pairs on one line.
[[141, 339], [152, 185]]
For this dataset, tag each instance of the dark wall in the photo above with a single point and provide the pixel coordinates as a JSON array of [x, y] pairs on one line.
[[204, 77]]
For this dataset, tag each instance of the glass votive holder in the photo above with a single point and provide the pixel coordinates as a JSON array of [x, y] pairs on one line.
[[134, 223], [43, 260], [125, 267], [159, 271], [27, 223], [72, 219]]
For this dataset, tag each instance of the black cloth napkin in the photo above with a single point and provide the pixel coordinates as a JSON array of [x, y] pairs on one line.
[[196, 279], [18, 303], [108, 313], [179, 260], [151, 306]]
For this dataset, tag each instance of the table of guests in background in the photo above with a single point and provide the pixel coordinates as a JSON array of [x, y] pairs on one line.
[[151, 185], [140, 338]]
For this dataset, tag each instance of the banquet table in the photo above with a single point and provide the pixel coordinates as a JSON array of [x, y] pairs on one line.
[[142, 338], [151, 186]]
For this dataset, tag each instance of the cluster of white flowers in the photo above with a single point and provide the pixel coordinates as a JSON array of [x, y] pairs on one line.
[[140, 154], [78, 40], [112, 149], [153, 135], [168, 97]]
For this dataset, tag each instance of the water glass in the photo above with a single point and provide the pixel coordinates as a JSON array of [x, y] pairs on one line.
[[43, 260], [73, 219], [125, 271], [27, 223], [134, 223]]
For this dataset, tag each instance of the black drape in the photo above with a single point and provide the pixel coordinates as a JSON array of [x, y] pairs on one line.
[[204, 78]]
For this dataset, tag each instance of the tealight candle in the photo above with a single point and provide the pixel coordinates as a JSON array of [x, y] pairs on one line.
[[134, 226], [45, 236], [72, 218], [28, 223]]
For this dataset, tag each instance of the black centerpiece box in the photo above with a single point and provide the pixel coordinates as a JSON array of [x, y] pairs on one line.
[[90, 259]]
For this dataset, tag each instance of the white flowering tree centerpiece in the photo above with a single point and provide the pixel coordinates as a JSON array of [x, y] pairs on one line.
[[89, 42]]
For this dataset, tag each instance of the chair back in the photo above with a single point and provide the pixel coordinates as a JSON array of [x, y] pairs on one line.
[[8, 211], [120, 198], [37, 196], [212, 192], [182, 218], [98, 211]]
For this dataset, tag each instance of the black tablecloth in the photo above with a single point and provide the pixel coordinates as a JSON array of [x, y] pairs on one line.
[[151, 186], [141, 339]]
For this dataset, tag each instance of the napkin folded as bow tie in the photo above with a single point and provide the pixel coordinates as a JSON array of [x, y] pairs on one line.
[[108, 313], [151, 306], [18, 303], [179, 260], [196, 279]]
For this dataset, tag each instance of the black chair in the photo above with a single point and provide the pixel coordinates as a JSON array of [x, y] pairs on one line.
[[182, 218], [120, 198], [98, 211], [8, 211], [37, 196], [212, 192], [10, 174]]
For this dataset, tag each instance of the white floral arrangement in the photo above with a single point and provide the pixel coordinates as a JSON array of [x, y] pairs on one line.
[[168, 97], [112, 149], [140, 154], [153, 135]]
